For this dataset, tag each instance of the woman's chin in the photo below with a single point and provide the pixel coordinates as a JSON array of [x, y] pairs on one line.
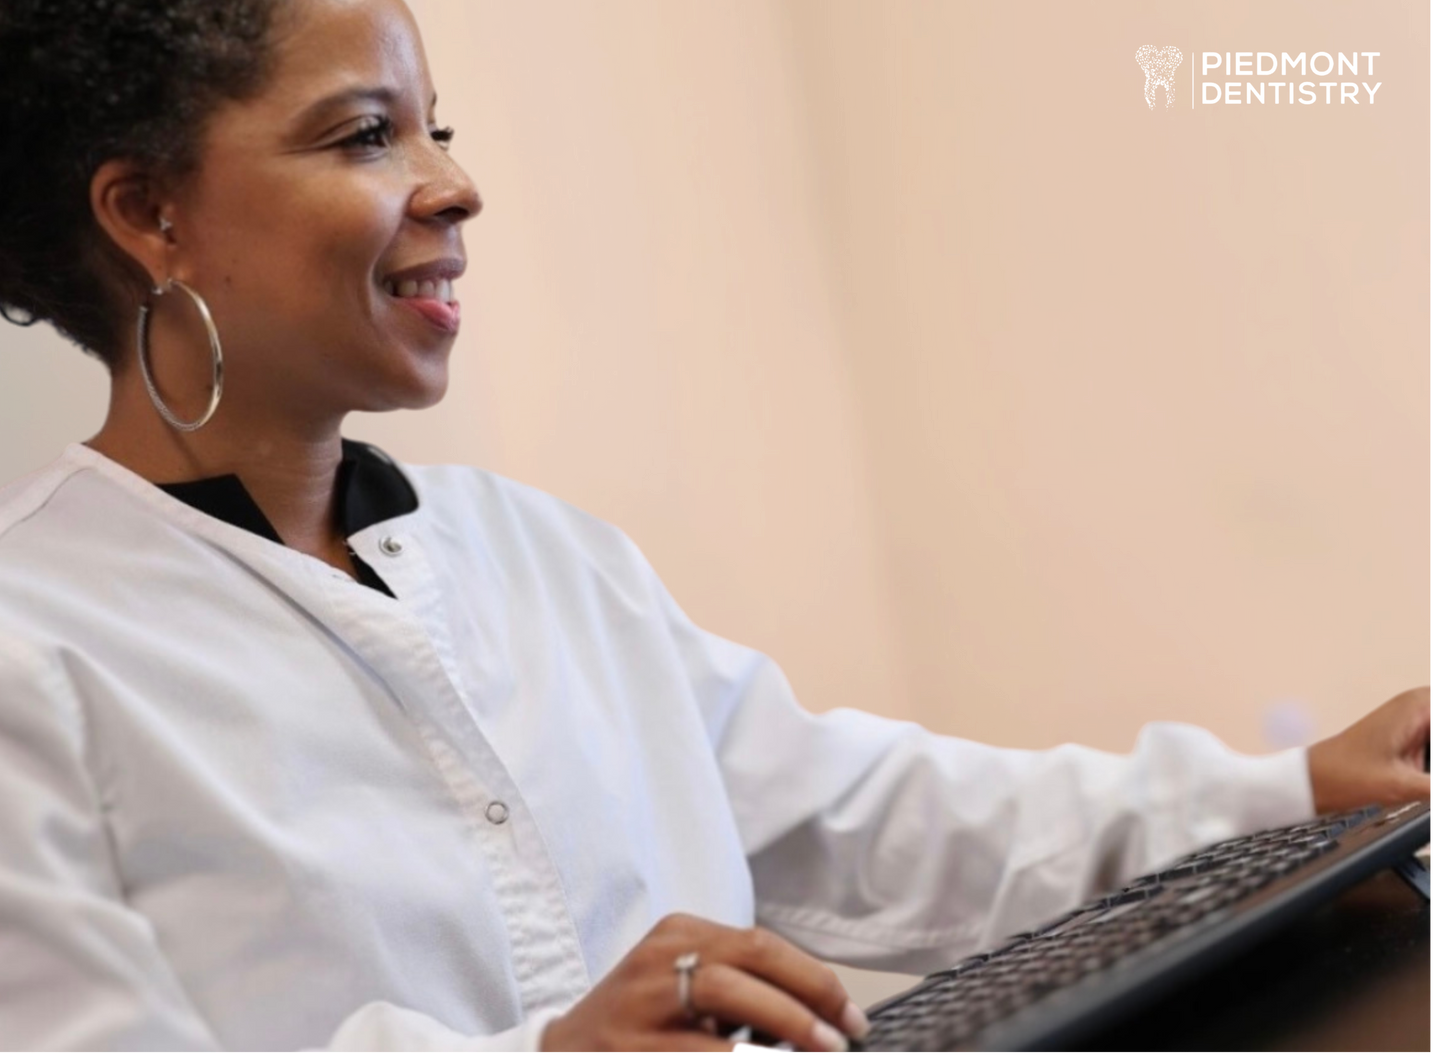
[[432, 396], [422, 387], [428, 395]]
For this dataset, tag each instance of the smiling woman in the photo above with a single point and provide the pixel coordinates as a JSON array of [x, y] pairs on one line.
[[301, 747], [282, 167]]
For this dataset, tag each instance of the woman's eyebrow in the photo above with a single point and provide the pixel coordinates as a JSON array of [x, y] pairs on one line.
[[377, 93]]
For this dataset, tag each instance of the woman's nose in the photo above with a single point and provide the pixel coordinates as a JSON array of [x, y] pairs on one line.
[[449, 194]]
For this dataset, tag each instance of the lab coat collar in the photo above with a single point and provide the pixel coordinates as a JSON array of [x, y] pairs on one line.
[[371, 489]]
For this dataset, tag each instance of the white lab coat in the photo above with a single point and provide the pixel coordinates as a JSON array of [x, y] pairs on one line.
[[247, 802]]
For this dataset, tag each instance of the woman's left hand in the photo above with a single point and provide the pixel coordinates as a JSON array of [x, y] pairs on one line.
[[1378, 759]]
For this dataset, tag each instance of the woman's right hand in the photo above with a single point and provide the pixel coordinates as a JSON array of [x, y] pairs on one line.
[[747, 977]]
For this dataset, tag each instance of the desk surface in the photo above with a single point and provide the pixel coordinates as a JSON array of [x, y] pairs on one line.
[[1354, 975]]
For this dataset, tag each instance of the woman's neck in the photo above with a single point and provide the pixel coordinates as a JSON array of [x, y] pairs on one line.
[[288, 470]]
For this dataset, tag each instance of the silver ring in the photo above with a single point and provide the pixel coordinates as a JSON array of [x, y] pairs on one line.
[[684, 966]]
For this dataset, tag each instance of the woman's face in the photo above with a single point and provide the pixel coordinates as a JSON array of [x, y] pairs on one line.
[[317, 206]]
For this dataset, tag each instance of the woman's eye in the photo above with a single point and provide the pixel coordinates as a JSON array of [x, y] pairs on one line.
[[376, 134], [380, 132]]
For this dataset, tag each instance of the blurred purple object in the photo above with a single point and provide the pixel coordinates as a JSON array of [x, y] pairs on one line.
[[1287, 724]]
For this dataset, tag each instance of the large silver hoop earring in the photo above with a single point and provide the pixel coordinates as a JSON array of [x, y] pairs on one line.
[[216, 358]]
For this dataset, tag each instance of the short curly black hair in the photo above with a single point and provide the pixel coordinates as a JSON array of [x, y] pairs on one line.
[[86, 81]]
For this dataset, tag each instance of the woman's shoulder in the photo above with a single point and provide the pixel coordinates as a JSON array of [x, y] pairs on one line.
[[506, 505], [31, 530], [523, 523], [63, 531], [24, 497], [34, 530], [78, 502]]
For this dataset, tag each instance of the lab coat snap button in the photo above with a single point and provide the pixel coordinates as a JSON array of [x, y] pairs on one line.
[[391, 545], [497, 812]]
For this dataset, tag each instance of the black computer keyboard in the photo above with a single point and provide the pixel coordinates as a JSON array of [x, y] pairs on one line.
[[1047, 987]]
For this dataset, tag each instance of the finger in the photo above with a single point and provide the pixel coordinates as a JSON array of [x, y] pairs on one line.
[[1413, 741], [1418, 720], [776, 960], [734, 995], [1418, 787], [683, 1042]]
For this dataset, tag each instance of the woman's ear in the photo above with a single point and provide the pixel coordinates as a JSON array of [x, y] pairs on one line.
[[123, 199]]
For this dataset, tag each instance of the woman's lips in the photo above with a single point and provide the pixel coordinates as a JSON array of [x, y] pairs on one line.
[[442, 315]]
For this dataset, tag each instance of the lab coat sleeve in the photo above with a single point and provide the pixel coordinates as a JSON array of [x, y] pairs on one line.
[[876, 843], [79, 969]]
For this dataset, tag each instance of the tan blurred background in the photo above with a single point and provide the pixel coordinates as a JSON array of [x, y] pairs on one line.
[[916, 351]]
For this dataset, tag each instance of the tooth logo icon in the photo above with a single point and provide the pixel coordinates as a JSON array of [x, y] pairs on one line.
[[1159, 64]]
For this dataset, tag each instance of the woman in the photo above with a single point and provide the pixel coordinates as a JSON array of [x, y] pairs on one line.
[[300, 747]]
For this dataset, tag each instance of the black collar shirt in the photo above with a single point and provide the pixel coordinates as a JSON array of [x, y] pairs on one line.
[[369, 487]]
